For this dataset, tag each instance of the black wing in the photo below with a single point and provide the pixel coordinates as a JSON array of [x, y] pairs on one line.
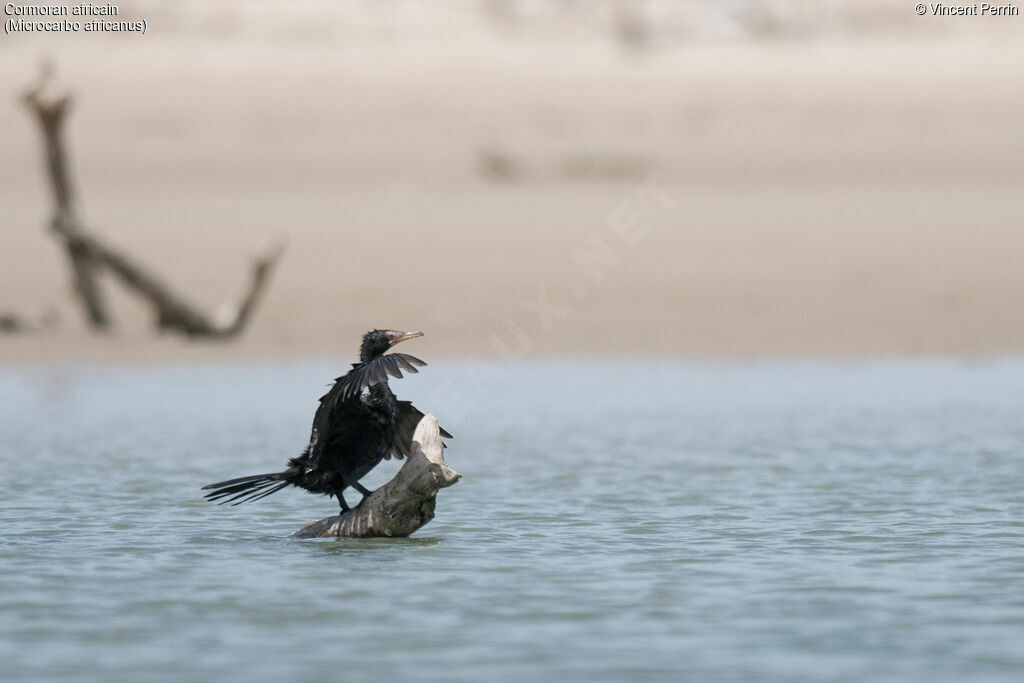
[[408, 417], [364, 375], [351, 384]]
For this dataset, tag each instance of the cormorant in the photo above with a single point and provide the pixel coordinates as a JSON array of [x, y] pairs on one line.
[[353, 429]]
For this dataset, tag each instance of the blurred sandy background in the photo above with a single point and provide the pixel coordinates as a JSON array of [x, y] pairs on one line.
[[793, 178]]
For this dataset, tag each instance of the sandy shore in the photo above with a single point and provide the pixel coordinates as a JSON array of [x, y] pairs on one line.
[[529, 196]]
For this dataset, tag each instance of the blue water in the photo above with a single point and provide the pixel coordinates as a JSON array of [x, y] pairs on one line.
[[630, 520]]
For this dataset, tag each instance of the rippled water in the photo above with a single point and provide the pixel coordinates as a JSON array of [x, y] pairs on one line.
[[616, 521]]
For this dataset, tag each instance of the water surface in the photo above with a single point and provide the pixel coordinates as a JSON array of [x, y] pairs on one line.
[[628, 520]]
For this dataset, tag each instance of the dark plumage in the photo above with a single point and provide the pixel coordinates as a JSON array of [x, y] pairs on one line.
[[359, 423]]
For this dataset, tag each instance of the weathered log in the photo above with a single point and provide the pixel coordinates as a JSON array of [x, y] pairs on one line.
[[402, 505]]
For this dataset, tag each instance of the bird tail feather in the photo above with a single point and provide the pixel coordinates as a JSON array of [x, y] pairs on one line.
[[246, 489]]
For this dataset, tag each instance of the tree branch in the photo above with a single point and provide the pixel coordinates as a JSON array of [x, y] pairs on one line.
[[50, 110], [173, 312], [88, 253], [402, 505]]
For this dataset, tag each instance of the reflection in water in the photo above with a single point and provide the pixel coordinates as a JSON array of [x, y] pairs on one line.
[[366, 546]]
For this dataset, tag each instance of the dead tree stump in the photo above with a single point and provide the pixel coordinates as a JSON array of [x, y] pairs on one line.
[[89, 255], [402, 505], [50, 109]]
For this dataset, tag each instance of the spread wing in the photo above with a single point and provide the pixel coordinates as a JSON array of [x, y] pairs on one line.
[[363, 375], [351, 384], [408, 417]]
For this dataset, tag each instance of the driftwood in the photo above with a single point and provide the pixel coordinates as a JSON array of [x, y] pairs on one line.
[[88, 254], [402, 505]]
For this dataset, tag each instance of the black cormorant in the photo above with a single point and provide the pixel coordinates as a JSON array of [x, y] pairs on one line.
[[359, 423]]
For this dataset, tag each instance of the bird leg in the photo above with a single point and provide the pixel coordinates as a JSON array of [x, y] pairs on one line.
[[362, 489], [341, 501]]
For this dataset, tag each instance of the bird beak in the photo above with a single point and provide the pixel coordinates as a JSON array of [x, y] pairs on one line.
[[402, 336]]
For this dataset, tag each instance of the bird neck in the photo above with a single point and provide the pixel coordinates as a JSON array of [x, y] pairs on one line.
[[380, 395]]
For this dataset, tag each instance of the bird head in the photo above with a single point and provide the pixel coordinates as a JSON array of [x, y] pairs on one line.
[[377, 342]]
